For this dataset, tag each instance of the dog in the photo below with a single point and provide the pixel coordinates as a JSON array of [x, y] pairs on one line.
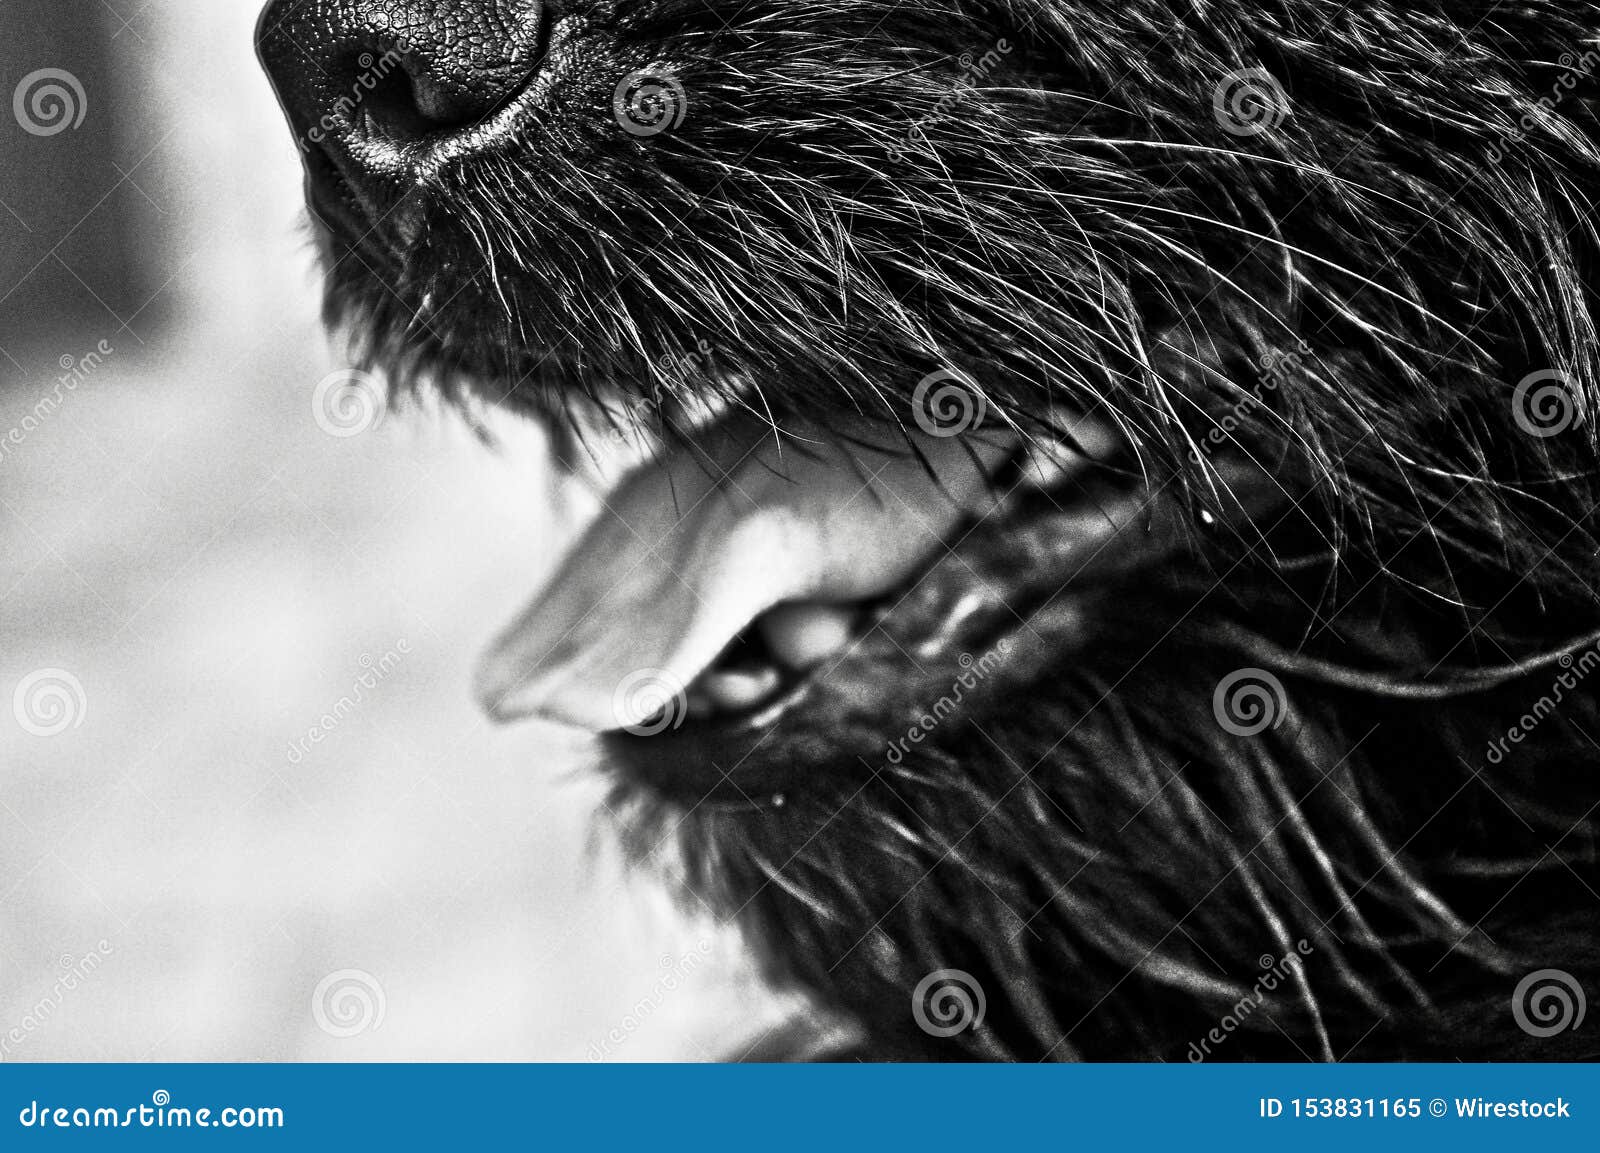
[[1110, 572]]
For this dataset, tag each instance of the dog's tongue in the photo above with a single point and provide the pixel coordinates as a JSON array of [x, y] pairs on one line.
[[694, 546]]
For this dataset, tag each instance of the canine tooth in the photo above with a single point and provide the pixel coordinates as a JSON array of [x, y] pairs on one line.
[[802, 634], [735, 690]]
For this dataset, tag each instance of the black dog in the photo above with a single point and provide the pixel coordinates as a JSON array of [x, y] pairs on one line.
[[1117, 572]]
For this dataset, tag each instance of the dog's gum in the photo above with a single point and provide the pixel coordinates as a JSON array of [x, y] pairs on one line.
[[737, 689]]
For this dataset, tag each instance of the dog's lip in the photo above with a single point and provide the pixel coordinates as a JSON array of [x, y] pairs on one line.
[[341, 214], [693, 548]]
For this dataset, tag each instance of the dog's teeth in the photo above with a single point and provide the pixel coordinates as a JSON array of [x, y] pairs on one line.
[[734, 690], [801, 635]]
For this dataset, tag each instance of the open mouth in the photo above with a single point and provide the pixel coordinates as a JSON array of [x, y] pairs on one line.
[[724, 580]]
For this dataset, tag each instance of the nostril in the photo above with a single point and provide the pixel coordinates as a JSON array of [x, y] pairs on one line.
[[389, 104], [406, 96], [397, 72]]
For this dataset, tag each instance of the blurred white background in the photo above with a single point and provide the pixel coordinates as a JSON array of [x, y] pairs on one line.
[[217, 572]]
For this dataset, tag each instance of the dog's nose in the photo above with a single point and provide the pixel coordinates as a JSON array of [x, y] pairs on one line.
[[371, 80]]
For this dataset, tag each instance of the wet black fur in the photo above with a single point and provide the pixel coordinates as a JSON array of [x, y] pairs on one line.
[[1083, 837]]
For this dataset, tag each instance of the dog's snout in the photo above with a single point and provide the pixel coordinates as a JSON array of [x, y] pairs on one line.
[[375, 79]]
